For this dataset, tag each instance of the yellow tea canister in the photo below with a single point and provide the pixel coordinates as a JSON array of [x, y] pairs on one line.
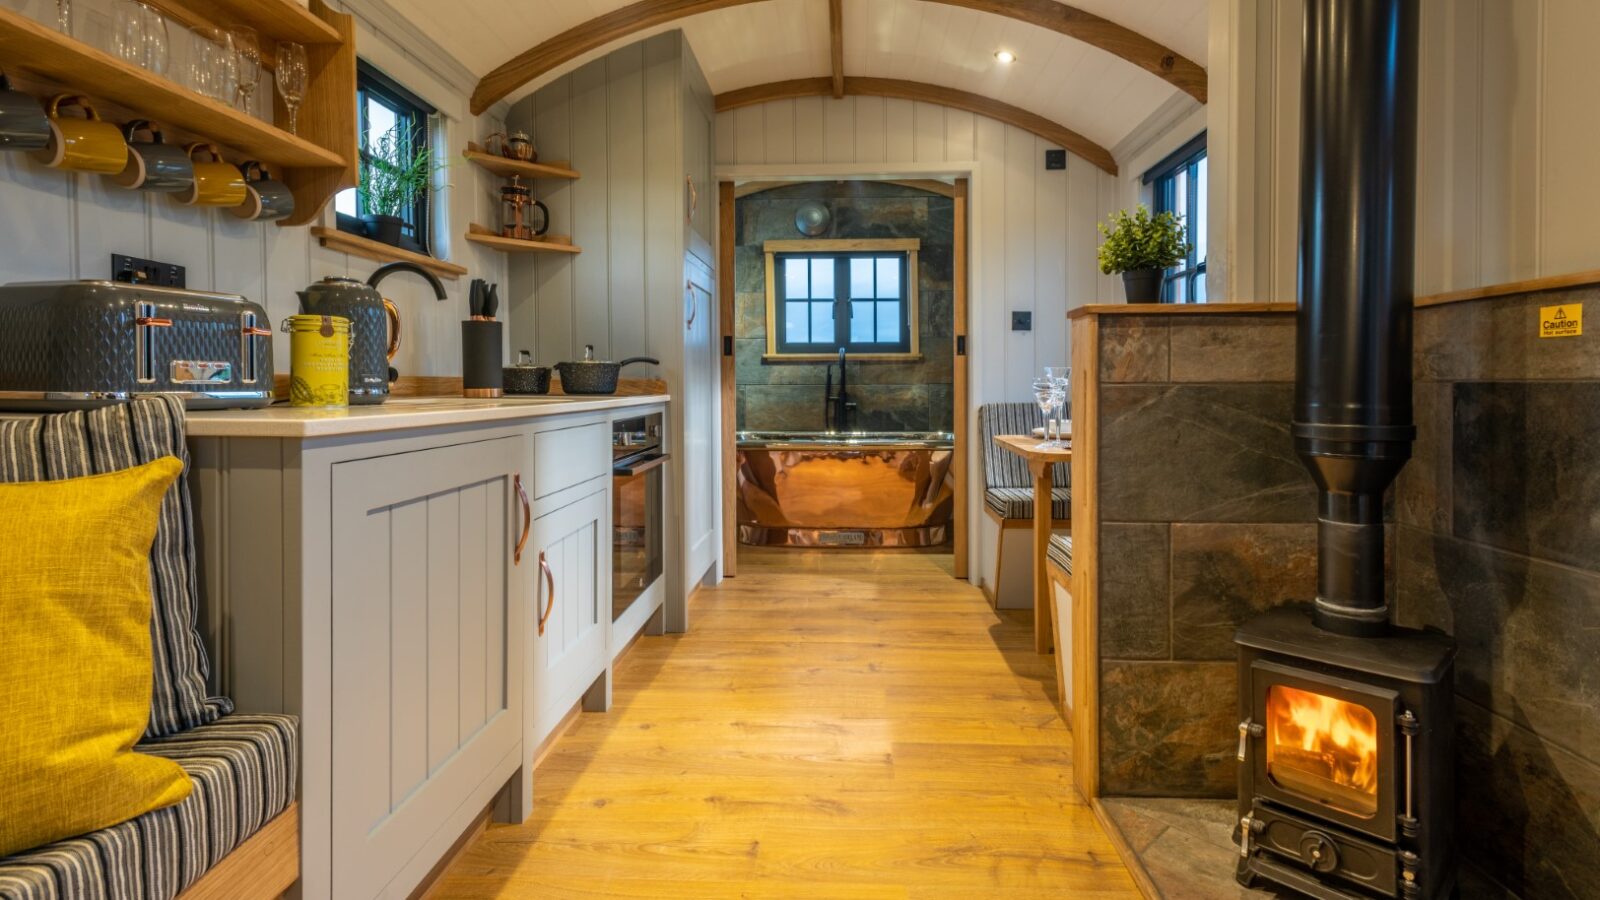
[[319, 360]]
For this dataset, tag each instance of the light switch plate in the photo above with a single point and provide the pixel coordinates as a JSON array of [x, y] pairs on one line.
[[1021, 320]]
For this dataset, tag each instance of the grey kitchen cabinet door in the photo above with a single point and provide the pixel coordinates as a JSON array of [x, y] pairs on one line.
[[570, 608], [427, 618]]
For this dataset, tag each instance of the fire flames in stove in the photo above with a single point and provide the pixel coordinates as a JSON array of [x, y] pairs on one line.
[[1323, 748]]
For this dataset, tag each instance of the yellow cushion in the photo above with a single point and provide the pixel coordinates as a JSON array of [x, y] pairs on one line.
[[75, 656]]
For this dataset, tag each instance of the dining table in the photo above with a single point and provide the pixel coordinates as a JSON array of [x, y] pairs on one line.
[[1041, 466]]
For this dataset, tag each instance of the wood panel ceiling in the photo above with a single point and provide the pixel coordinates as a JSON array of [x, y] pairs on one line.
[[742, 44]]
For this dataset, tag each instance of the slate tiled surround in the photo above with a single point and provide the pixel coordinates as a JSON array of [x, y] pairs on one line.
[[1497, 525], [1206, 518], [890, 396], [1499, 544]]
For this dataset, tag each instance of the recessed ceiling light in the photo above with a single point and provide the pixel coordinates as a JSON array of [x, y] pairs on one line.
[[1005, 56]]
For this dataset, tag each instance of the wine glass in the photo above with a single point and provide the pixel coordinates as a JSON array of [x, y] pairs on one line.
[[291, 75], [156, 47], [127, 34], [247, 52], [1062, 376], [1047, 394], [215, 67]]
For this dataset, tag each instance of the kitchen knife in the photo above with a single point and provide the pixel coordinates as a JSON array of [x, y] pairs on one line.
[[475, 298], [491, 300]]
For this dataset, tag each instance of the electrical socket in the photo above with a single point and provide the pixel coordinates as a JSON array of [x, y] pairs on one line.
[[1021, 320], [146, 271]]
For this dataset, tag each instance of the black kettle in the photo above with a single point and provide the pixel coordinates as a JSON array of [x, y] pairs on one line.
[[374, 331]]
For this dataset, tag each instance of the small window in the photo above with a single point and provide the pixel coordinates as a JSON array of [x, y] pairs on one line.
[[1180, 188], [381, 105], [859, 295]]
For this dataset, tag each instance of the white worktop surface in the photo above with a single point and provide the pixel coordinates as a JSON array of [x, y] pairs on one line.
[[285, 421]]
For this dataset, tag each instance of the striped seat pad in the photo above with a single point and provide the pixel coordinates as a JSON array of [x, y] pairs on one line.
[[109, 439], [1017, 503], [243, 768], [1060, 551]]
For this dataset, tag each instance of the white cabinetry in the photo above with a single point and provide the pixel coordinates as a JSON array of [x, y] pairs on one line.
[[426, 655], [570, 550]]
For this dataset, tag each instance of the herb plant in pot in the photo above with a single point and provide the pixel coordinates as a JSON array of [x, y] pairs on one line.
[[394, 172], [1142, 247]]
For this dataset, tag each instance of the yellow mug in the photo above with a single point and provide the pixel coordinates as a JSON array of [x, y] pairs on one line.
[[216, 183], [83, 145]]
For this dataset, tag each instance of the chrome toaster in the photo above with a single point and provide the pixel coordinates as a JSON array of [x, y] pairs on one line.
[[71, 344]]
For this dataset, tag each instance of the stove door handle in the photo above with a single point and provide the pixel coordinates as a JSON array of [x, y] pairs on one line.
[[1248, 730]]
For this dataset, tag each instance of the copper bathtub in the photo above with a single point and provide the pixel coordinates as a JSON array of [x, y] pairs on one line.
[[845, 490]]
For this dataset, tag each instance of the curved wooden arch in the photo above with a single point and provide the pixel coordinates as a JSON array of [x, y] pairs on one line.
[[901, 89], [1075, 23]]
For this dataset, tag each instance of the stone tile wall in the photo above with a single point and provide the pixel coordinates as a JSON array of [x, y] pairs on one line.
[[1206, 518], [890, 396], [1499, 543]]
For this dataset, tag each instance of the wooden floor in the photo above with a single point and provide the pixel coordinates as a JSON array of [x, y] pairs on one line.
[[835, 724]]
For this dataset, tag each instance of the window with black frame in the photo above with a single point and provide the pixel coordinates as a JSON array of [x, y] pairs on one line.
[[1179, 187], [857, 295], [384, 106]]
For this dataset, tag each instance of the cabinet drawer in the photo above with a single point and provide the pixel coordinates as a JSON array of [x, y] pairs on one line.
[[568, 456]]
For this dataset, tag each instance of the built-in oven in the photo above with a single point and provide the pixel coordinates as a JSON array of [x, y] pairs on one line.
[[637, 457]]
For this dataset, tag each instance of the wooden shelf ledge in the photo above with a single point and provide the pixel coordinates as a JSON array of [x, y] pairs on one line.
[[554, 244], [506, 168], [356, 245], [276, 20], [35, 48]]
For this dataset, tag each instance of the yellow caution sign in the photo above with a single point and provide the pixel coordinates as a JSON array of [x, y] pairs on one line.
[[1565, 320]]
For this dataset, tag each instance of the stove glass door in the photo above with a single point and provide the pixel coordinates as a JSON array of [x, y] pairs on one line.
[[1326, 746]]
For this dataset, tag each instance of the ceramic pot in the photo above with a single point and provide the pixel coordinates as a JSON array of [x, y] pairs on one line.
[[1142, 285]]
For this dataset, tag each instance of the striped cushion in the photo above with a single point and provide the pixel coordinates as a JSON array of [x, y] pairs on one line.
[[1060, 551], [1002, 468], [69, 445], [244, 774], [1017, 503]]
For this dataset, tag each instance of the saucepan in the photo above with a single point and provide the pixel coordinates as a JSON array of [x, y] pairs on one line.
[[593, 376]]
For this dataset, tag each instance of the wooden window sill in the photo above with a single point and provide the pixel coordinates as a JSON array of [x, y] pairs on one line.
[[356, 245]]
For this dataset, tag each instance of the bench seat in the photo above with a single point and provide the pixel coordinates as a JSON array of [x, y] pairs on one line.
[[243, 768], [1017, 503], [1060, 551]]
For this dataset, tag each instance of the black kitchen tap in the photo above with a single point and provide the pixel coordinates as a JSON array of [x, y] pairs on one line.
[[836, 407], [385, 271]]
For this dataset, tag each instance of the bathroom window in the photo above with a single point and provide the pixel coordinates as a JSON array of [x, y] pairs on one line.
[[860, 295], [382, 104]]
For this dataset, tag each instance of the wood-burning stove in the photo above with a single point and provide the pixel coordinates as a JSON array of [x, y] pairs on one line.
[[1346, 767], [1346, 759]]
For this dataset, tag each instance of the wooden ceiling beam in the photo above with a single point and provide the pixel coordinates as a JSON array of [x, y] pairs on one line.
[[855, 86], [836, 39], [1075, 23], [582, 38], [1155, 58]]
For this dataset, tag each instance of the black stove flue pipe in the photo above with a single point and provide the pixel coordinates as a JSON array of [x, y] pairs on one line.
[[1352, 417]]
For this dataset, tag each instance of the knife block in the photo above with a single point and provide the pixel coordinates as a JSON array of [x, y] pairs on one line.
[[481, 360]]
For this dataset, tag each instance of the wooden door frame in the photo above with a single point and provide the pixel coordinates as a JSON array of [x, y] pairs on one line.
[[727, 194]]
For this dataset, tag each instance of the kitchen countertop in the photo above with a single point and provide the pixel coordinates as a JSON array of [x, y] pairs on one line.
[[285, 421]]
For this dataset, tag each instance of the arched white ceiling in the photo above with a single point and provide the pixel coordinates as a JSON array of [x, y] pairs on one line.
[[1063, 79]]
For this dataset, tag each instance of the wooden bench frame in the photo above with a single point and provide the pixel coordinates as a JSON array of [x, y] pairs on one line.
[[266, 865], [1061, 578]]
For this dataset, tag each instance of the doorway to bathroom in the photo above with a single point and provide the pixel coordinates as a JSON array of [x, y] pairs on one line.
[[844, 369]]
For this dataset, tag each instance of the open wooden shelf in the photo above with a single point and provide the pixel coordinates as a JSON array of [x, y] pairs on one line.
[[316, 164], [506, 168], [356, 245], [277, 20], [481, 235]]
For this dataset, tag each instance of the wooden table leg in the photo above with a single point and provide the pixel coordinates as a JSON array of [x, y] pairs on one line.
[[1044, 632]]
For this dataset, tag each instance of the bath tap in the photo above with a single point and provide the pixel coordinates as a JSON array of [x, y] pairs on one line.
[[836, 407]]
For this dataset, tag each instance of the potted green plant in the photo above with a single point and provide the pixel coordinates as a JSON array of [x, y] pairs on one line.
[[396, 168], [1142, 246]]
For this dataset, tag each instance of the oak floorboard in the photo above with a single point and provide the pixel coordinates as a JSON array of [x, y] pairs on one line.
[[839, 724]]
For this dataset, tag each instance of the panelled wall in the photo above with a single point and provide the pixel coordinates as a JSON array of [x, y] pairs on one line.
[[1032, 230], [1505, 149], [56, 226]]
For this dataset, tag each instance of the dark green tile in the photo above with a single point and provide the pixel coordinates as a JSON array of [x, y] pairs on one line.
[[1168, 729], [1135, 614], [1225, 574]]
